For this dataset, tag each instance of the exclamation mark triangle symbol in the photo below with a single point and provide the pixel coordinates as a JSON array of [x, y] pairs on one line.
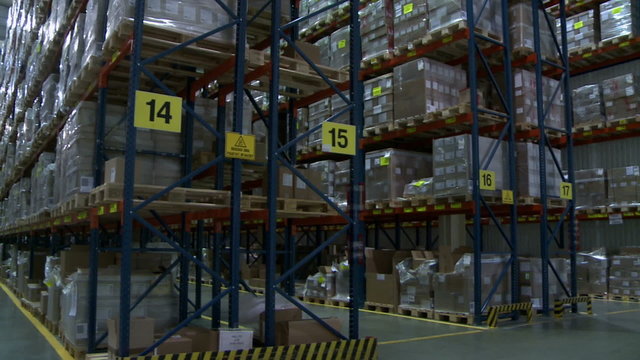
[[240, 142]]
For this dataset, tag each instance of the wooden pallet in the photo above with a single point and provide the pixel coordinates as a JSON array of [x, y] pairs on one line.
[[86, 78], [593, 210], [376, 60], [315, 300], [585, 49], [590, 126], [422, 200], [386, 204], [622, 122], [111, 192], [623, 298], [74, 203], [378, 129], [286, 207], [52, 327], [76, 352], [338, 303], [551, 134], [453, 199], [383, 308], [415, 312], [616, 40], [458, 318], [623, 208]]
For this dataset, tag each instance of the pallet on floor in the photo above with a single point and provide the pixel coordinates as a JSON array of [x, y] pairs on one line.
[[76, 352], [315, 300], [624, 298], [384, 308], [415, 312], [458, 318]]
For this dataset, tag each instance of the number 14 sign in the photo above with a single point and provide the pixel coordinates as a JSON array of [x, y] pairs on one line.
[[338, 138], [158, 112]]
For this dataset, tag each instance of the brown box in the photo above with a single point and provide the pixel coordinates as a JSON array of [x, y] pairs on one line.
[[302, 191], [378, 261], [202, 340], [285, 183], [114, 170], [78, 257], [140, 337], [310, 50], [305, 331], [382, 288], [174, 345], [281, 315]]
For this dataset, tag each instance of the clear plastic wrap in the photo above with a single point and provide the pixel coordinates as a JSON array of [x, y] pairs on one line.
[[587, 105], [378, 101], [531, 280], [324, 45], [583, 30], [388, 171], [326, 170], [310, 6], [592, 272], [437, 85], [416, 283], [340, 48], [621, 96], [320, 285], [376, 28], [443, 13], [421, 188], [318, 112], [623, 185], [528, 170], [521, 31], [619, 18], [452, 167], [526, 103], [591, 188], [343, 182], [342, 281], [93, 35], [410, 21], [624, 275]]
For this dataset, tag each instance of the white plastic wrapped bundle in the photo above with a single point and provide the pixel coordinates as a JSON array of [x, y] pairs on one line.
[[93, 30], [422, 188], [619, 18], [587, 105], [376, 28]]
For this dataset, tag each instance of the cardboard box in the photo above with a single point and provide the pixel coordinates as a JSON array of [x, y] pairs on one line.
[[378, 261], [281, 315], [310, 50], [78, 257], [382, 288], [174, 345], [114, 170], [235, 340], [305, 331], [285, 183], [140, 336], [202, 339]]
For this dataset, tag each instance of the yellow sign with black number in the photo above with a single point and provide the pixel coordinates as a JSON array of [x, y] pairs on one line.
[[507, 197], [487, 180], [158, 112], [338, 138], [566, 190], [240, 146]]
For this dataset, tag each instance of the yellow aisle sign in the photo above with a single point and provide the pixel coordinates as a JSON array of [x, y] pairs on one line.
[[338, 138], [487, 180], [240, 146], [566, 190], [158, 112], [507, 197]]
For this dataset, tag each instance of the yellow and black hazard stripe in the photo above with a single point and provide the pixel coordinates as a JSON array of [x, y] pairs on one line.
[[362, 349], [495, 311], [558, 306]]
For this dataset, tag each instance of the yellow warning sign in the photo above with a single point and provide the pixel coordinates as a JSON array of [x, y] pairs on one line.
[[240, 146], [507, 197]]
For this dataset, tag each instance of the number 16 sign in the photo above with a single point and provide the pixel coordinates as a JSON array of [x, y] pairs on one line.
[[158, 112], [338, 138]]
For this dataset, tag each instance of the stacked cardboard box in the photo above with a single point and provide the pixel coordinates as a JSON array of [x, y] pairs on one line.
[[381, 277], [526, 100], [388, 171], [583, 30], [324, 45], [416, 276], [592, 271], [521, 31], [325, 170], [619, 18], [452, 165], [343, 182], [410, 21], [311, 6], [528, 170], [623, 185], [443, 13], [318, 112], [422, 86], [340, 48], [624, 275], [591, 188], [376, 28], [531, 280], [378, 101], [42, 183], [587, 105], [422, 188], [621, 96]]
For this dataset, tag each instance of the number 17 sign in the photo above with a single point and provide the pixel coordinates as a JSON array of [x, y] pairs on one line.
[[338, 138], [158, 112]]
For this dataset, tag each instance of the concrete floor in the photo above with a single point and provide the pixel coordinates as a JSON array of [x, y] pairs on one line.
[[611, 333]]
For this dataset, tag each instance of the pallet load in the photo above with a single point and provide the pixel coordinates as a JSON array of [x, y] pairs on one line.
[[382, 278], [343, 182], [437, 85], [526, 106], [388, 171], [318, 112], [624, 276], [416, 277], [592, 271], [583, 31], [376, 29], [621, 96], [619, 19], [321, 285], [528, 171], [591, 188], [378, 102], [42, 184], [452, 166], [419, 189], [521, 32], [623, 186], [531, 280], [340, 48], [443, 13], [588, 108]]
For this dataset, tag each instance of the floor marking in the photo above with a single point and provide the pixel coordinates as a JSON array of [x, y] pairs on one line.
[[622, 312], [384, 313], [52, 340], [221, 321], [428, 337]]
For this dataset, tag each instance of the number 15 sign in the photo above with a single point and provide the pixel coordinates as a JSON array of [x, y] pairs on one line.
[[338, 138], [158, 112]]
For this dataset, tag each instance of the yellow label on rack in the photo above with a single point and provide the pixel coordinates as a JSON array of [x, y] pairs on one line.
[[451, 120], [522, 219], [342, 44], [487, 180], [388, 211], [421, 209], [56, 222], [617, 10], [408, 210], [101, 210], [578, 25], [456, 206], [587, 55], [158, 112], [377, 91], [411, 53], [407, 8], [82, 215], [587, 133], [566, 190], [377, 212], [621, 128], [623, 44], [377, 138], [596, 216], [377, 67], [411, 130], [67, 219], [507, 197], [439, 207], [448, 39], [622, 122], [113, 208], [240, 146], [384, 161], [115, 56]]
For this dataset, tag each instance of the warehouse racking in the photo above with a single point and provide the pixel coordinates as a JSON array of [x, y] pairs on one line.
[[228, 218]]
